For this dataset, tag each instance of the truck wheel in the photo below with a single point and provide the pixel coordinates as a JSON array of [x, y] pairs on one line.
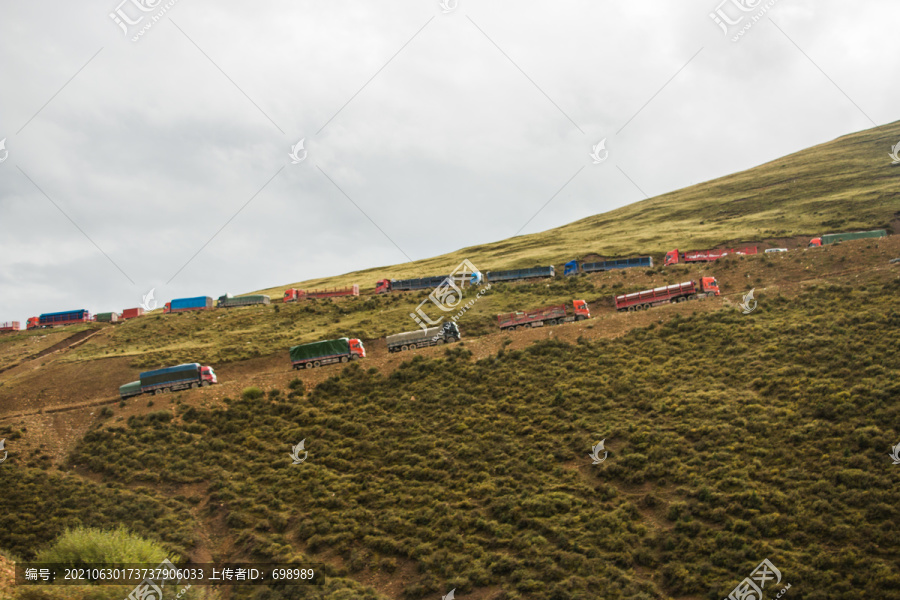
[[440, 342], [551, 322], [205, 384], [345, 359], [195, 385], [692, 297], [404, 348], [317, 363], [354, 357], [580, 318], [157, 391], [167, 390], [309, 365], [451, 339]]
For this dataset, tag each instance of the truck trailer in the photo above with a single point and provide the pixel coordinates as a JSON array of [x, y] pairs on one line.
[[516, 274], [293, 295], [108, 317], [186, 304], [229, 301], [551, 315], [10, 326], [316, 354], [384, 286], [666, 294], [673, 257], [573, 267], [130, 313], [421, 338], [832, 238], [170, 379], [59, 319]]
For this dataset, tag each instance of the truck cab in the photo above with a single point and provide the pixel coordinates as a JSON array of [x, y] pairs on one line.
[[291, 295], [382, 286], [167, 308], [357, 349], [571, 268], [816, 242], [581, 309], [208, 376], [672, 257], [33, 323], [709, 285]]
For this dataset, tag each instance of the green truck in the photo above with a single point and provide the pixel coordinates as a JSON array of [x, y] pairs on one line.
[[109, 317], [229, 301], [326, 352], [421, 338], [831, 238]]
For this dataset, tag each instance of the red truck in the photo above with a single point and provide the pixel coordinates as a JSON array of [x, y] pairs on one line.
[[292, 295], [10, 326], [130, 313], [670, 293], [673, 257], [550, 315]]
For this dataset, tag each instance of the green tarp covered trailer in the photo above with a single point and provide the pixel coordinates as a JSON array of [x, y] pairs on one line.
[[228, 301], [109, 317], [831, 238], [323, 349]]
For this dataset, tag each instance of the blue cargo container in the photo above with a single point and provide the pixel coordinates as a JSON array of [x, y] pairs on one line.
[[68, 316], [417, 284], [495, 276], [200, 302], [573, 268]]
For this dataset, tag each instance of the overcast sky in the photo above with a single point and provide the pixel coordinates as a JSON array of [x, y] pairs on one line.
[[424, 130]]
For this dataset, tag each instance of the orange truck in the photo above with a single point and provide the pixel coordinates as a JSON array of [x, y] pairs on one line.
[[293, 294], [666, 294], [550, 315]]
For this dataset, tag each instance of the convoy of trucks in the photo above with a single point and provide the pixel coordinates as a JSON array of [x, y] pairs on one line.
[[671, 293], [573, 267], [832, 238], [550, 315], [673, 257], [170, 379], [316, 354], [293, 295], [186, 304], [422, 338], [229, 301]]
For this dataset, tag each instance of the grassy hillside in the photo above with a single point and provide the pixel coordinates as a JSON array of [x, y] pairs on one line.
[[846, 184]]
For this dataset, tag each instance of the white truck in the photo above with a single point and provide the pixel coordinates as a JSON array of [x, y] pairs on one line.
[[420, 338]]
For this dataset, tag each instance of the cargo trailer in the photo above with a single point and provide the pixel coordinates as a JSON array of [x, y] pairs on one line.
[[229, 301], [551, 315], [574, 267], [833, 238], [517, 274], [59, 319], [671, 293], [673, 257], [10, 326], [421, 338], [403, 285], [107, 317], [130, 313], [180, 377], [186, 304], [292, 295]]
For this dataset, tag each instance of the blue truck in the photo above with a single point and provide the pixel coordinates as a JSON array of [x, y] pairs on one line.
[[573, 267], [185, 304], [170, 379], [516, 274], [58, 319]]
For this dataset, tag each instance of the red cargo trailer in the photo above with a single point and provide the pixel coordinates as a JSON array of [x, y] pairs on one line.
[[673, 257], [550, 315], [293, 294], [10, 326], [670, 293], [130, 313]]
